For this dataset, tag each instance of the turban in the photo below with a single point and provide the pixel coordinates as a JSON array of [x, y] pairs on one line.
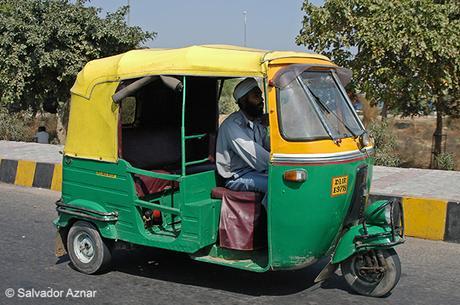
[[244, 87]]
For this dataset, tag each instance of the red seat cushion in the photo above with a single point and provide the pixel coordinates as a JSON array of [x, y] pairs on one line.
[[241, 224], [218, 193], [150, 185]]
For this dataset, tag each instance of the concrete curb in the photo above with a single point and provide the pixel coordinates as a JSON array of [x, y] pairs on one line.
[[429, 218], [31, 174]]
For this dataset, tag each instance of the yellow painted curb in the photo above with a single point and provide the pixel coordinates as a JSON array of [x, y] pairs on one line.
[[25, 173], [425, 218], [56, 182]]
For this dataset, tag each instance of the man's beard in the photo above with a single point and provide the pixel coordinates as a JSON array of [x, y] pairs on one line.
[[256, 111]]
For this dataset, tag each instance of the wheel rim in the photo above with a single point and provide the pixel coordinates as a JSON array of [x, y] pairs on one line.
[[84, 247]]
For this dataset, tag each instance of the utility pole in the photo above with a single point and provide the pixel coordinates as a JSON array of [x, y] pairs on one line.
[[245, 21], [129, 11]]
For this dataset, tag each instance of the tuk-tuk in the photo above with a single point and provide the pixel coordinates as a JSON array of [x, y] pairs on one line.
[[139, 167]]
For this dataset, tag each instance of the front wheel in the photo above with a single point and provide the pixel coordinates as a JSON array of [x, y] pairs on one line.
[[88, 252], [374, 273]]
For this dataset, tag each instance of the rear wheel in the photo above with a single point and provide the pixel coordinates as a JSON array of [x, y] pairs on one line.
[[87, 250], [374, 273]]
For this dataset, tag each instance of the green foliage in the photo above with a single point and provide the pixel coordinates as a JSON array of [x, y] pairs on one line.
[[403, 52], [384, 143], [13, 127], [227, 103], [45, 43], [445, 161]]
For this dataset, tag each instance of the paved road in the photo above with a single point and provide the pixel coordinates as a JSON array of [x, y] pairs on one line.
[[431, 270]]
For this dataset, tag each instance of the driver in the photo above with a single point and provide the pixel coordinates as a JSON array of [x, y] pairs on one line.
[[242, 148]]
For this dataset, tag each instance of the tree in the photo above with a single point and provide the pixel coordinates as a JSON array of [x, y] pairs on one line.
[[45, 43], [405, 53], [227, 103]]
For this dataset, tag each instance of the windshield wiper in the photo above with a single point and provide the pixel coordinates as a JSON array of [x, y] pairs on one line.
[[326, 109]]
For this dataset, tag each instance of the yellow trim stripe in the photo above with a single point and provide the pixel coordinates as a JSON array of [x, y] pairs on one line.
[[56, 183], [425, 218], [25, 173]]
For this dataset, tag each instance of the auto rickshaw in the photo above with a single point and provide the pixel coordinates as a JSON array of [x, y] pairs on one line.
[[139, 166]]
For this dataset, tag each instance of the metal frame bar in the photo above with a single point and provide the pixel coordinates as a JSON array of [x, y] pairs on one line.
[[147, 173], [182, 128], [196, 162], [265, 94], [59, 203], [64, 210], [196, 136], [153, 206]]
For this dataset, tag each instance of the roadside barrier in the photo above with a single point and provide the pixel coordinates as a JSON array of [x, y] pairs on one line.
[[429, 218], [31, 173]]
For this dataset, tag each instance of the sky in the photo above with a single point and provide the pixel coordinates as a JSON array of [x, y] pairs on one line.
[[271, 24]]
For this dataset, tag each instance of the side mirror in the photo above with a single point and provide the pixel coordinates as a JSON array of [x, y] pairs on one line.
[[365, 140]]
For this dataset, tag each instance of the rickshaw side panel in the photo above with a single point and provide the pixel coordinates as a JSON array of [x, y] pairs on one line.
[[93, 124], [111, 188], [103, 183], [304, 218]]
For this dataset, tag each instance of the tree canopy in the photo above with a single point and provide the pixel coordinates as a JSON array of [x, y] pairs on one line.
[[403, 52], [45, 43]]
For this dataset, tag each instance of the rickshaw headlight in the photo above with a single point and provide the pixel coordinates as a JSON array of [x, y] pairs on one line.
[[380, 217], [388, 214]]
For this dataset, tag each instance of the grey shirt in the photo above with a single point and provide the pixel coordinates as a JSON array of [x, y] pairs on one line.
[[42, 137], [241, 146]]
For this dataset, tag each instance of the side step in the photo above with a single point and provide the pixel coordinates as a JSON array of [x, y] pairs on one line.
[[255, 261]]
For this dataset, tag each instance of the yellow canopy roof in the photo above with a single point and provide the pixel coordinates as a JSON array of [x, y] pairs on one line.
[[93, 123], [206, 60]]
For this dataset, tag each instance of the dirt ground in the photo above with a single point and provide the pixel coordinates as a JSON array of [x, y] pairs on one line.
[[415, 136]]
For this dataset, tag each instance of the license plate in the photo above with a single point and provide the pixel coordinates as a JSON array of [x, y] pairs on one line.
[[339, 186]]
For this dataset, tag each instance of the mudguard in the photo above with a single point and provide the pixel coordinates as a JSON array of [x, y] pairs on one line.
[[356, 240], [89, 211]]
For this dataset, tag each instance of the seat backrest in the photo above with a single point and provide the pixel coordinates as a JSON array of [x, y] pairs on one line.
[[151, 148]]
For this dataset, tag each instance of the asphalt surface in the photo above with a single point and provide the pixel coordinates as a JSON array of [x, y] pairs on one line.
[[431, 270]]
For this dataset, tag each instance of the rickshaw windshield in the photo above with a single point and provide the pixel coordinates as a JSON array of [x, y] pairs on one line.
[[312, 106]]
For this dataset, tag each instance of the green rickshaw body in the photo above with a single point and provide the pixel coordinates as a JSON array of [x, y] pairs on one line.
[[305, 221], [109, 187]]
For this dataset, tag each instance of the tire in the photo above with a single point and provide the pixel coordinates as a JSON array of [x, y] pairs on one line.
[[88, 252], [376, 284]]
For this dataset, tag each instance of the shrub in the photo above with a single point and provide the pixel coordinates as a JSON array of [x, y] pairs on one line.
[[13, 126], [445, 161], [385, 144]]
